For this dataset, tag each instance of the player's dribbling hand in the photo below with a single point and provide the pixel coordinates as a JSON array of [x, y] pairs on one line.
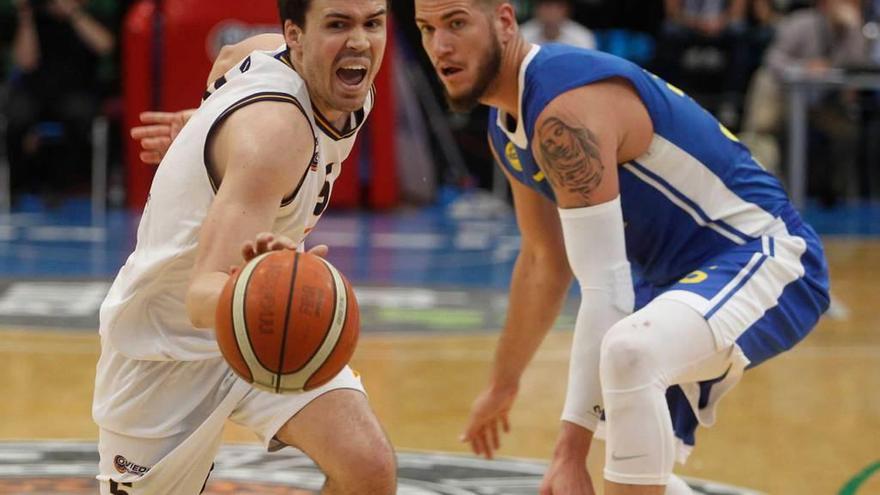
[[157, 133], [489, 414], [566, 477], [264, 243], [268, 241]]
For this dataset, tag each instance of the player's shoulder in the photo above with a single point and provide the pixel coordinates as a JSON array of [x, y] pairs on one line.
[[557, 69], [270, 68], [271, 116], [557, 59]]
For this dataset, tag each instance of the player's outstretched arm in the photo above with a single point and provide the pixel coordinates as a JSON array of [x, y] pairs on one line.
[[258, 156], [541, 279], [158, 129]]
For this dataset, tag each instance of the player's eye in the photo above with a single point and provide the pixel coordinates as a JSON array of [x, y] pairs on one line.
[[457, 24], [374, 24], [425, 29], [336, 25]]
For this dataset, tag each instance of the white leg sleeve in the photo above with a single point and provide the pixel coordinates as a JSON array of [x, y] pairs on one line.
[[664, 344]]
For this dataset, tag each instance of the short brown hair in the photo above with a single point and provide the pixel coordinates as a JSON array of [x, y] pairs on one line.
[[295, 11]]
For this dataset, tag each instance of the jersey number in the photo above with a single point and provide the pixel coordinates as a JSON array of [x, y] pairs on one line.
[[115, 490], [324, 197]]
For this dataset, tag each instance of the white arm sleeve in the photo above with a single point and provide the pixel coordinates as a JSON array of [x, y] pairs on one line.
[[594, 242]]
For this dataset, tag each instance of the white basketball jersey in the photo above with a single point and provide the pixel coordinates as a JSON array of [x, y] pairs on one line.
[[144, 315]]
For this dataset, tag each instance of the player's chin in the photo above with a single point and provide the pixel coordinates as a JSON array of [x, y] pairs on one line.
[[350, 98], [346, 101]]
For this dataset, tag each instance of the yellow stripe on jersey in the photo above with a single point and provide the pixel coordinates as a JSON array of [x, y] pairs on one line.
[[727, 133], [674, 89]]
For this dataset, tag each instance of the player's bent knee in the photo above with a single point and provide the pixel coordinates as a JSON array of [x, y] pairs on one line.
[[369, 471], [626, 359]]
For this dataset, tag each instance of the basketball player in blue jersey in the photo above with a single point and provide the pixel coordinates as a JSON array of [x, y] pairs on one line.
[[617, 173]]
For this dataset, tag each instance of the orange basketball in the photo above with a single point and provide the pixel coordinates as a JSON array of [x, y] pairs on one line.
[[287, 321]]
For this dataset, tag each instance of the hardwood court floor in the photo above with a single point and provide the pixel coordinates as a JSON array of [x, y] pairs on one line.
[[804, 423]]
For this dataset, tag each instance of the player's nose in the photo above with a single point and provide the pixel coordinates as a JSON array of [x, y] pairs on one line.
[[440, 44], [358, 41]]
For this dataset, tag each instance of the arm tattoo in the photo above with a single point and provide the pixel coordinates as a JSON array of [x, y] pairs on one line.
[[570, 157]]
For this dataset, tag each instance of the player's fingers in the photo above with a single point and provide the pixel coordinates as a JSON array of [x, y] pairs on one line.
[[484, 441], [466, 435], [157, 143], [476, 445], [146, 131], [263, 241], [493, 436], [157, 117], [248, 251], [150, 157], [285, 242], [279, 244], [505, 423]]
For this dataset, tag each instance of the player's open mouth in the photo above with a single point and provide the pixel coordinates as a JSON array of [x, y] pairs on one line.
[[352, 75], [448, 70]]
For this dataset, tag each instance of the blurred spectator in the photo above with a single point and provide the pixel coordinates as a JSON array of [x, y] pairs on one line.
[[56, 52], [704, 38], [812, 41], [523, 9], [872, 27], [708, 18], [553, 24]]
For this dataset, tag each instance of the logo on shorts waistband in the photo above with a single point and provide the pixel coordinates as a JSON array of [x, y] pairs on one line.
[[123, 465]]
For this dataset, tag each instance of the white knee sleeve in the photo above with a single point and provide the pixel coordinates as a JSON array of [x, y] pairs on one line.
[[640, 444], [641, 356]]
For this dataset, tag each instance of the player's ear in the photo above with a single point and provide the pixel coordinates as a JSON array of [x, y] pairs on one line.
[[505, 22], [293, 36]]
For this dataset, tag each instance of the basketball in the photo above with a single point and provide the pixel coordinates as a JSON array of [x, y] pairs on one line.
[[287, 321]]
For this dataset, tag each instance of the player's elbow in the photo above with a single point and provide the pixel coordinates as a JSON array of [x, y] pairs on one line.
[[547, 264]]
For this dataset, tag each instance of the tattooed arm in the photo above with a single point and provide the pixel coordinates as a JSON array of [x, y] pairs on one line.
[[583, 135]]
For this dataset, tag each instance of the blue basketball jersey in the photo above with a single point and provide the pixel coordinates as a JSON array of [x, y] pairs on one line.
[[696, 192]]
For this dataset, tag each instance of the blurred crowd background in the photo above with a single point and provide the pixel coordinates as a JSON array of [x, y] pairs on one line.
[[62, 93]]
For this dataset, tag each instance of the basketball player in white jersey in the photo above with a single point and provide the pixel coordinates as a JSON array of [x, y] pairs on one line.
[[251, 171]]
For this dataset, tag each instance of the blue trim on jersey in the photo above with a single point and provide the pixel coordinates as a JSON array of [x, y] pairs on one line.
[[684, 421], [772, 247], [688, 201], [739, 286]]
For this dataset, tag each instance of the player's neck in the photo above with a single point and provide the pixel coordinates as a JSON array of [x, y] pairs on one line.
[[338, 118], [504, 91]]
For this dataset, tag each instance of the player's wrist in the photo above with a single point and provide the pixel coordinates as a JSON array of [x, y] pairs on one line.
[[504, 382], [573, 443]]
